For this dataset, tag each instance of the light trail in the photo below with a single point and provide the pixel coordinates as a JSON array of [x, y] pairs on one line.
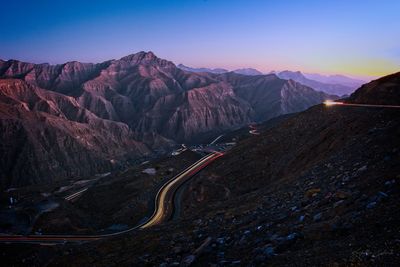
[[163, 205], [334, 103], [75, 195], [163, 209]]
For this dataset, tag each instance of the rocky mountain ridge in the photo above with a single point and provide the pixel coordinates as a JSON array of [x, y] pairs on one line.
[[151, 102]]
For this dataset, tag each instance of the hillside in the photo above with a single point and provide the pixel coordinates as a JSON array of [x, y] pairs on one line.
[[318, 188]]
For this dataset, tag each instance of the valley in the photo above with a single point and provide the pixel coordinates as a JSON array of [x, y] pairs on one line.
[[304, 184]]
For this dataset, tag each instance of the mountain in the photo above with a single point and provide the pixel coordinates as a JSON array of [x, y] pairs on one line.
[[248, 71], [336, 89], [384, 91], [46, 136], [319, 188], [217, 70], [332, 84], [335, 79], [139, 102]]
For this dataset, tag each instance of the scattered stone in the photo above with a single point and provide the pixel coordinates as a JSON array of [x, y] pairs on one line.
[[317, 217], [150, 171], [342, 194], [362, 169], [269, 251], [177, 250], [312, 192], [391, 182], [188, 260], [380, 193], [291, 236], [338, 203], [371, 205]]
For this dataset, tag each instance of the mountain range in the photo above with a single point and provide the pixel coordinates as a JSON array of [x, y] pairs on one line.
[[331, 84], [327, 87], [315, 188], [79, 118]]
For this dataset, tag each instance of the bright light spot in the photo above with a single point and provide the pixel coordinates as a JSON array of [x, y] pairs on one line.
[[331, 103]]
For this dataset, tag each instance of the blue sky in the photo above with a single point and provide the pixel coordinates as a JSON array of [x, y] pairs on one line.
[[357, 38]]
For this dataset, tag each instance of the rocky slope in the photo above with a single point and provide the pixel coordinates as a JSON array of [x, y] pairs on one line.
[[319, 188], [137, 99], [47, 136]]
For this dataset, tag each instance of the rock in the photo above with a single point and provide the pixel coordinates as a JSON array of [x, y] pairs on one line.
[[188, 260], [220, 240], [338, 203], [150, 171], [382, 194], [291, 236], [362, 169], [371, 205], [312, 192], [342, 194], [317, 217], [177, 250], [269, 251], [390, 182]]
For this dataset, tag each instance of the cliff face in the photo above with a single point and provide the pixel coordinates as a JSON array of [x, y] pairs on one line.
[[153, 95], [47, 136], [138, 95]]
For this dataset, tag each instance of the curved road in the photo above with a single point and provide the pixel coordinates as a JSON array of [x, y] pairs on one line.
[[163, 210]]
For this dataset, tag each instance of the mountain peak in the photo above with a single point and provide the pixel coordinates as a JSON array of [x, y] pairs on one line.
[[143, 57], [140, 56]]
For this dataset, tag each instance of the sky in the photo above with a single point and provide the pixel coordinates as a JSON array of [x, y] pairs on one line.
[[355, 38]]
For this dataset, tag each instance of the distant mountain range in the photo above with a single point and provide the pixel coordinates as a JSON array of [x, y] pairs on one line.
[[77, 119], [335, 79], [244, 71], [216, 71], [330, 88], [332, 84]]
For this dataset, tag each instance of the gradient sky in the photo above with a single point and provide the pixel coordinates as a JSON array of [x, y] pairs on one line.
[[347, 37]]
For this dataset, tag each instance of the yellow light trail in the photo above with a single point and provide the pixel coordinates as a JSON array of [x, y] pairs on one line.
[[335, 103]]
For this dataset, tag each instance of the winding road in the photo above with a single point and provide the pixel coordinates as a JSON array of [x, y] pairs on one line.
[[164, 205]]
